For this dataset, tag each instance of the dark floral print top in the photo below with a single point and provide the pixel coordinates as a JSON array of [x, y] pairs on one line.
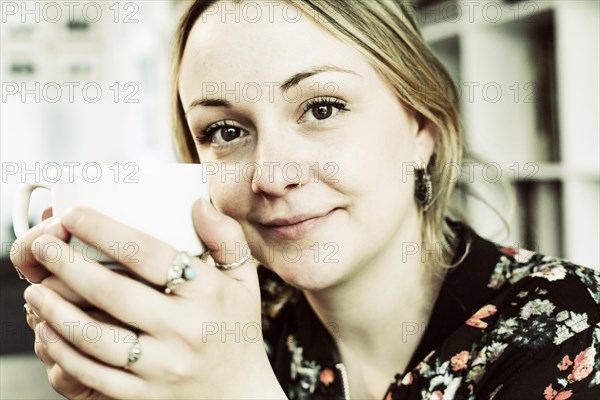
[[507, 324]]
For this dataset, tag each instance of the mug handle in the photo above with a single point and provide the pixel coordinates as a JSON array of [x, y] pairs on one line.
[[21, 206]]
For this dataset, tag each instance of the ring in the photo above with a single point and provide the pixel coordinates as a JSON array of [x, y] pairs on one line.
[[180, 271], [28, 311], [234, 265], [135, 352]]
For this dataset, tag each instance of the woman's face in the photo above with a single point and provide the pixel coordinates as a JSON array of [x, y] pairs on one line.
[[307, 146]]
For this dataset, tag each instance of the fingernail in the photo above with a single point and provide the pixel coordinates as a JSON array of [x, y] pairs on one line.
[[55, 228], [70, 218], [33, 296]]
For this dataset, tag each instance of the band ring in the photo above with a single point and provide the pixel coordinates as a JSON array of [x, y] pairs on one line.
[[233, 265], [179, 272], [135, 352], [29, 311]]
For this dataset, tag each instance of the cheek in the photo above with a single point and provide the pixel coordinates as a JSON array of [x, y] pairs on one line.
[[230, 198], [378, 155], [378, 179]]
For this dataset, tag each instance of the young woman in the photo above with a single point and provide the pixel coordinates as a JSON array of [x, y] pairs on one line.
[[367, 288]]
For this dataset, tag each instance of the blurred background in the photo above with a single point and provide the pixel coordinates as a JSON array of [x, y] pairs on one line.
[[87, 81]]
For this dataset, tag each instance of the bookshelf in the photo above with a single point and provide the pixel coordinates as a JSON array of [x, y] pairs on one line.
[[527, 73]]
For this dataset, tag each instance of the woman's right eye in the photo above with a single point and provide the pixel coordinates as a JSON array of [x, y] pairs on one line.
[[221, 134]]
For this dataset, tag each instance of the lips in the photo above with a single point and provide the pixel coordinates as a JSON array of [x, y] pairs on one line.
[[295, 227]]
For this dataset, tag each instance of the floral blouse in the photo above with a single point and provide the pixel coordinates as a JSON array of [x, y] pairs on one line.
[[507, 324]]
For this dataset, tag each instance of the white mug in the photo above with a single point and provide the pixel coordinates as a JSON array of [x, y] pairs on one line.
[[154, 198]]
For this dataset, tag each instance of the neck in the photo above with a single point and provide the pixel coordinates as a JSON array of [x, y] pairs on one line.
[[378, 317]]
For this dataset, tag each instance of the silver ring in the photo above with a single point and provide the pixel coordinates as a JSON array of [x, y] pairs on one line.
[[180, 271], [135, 352], [234, 265], [29, 311]]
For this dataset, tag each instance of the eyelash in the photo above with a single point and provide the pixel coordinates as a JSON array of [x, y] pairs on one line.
[[325, 101], [206, 135]]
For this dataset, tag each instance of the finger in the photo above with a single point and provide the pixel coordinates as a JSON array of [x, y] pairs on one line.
[[64, 291], [67, 385], [38, 345], [22, 257], [105, 379], [143, 254], [58, 286], [47, 213], [31, 321], [31, 318], [21, 250], [225, 240], [40, 351], [55, 227], [118, 295], [105, 342], [151, 259]]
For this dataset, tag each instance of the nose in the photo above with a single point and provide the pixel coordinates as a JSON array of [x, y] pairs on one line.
[[280, 165]]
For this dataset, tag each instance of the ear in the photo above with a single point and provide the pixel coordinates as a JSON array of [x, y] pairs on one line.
[[425, 140]]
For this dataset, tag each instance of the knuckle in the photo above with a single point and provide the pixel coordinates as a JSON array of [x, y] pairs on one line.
[[31, 321], [180, 371], [49, 351], [82, 219], [191, 333], [52, 254], [38, 348], [192, 336], [60, 380], [49, 313], [86, 377], [56, 376], [16, 254], [214, 291]]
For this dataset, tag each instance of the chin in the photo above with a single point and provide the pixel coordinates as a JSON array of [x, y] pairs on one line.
[[309, 276]]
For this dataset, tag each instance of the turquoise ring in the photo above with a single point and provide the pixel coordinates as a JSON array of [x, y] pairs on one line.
[[180, 271]]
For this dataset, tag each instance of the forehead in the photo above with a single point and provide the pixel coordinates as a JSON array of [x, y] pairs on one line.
[[264, 42]]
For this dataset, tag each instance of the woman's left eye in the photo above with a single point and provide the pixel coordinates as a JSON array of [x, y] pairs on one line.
[[322, 108]]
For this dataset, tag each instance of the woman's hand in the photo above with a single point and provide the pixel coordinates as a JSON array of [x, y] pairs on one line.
[[204, 340]]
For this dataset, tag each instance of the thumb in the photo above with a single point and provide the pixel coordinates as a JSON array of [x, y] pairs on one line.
[[224, 238]]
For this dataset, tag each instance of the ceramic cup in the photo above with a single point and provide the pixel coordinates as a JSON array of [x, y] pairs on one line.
[[156, 199]]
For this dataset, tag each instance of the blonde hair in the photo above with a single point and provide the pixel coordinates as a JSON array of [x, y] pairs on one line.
[[386, 33]]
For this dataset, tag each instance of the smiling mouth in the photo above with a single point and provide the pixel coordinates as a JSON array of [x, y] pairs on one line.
[[296, 227]]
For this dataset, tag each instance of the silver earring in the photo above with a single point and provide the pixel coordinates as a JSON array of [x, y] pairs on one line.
[[423, 187]]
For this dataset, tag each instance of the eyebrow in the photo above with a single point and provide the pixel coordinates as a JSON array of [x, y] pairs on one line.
[[294, 80]]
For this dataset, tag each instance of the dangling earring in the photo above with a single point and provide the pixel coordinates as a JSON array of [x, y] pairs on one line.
[[423, 187]]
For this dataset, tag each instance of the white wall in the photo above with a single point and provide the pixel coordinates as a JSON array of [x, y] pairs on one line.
[[56, 114]]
